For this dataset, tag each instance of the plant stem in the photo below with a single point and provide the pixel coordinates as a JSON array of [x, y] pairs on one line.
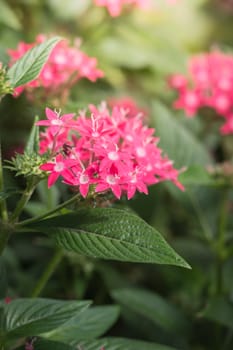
[[3, 207], [206, 230], [220, 251], [31, 185], [47, 273], [42, 216], [5, 232]]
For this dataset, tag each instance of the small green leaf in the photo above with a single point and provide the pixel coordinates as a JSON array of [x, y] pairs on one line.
[[91, 324], [110, 234], [177, 141], [27, 317], [32, 145], [8, 193], [154, 308], [28, 67], [196, 175], [121, 344], [220, 310]]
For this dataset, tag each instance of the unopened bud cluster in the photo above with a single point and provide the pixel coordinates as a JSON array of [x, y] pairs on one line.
[[27, 164]]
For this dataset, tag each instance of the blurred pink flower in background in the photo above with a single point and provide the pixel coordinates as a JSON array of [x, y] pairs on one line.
[[209, 83], [115, 7], [64, 68]]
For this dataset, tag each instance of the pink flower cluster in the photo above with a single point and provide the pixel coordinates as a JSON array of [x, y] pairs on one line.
[[103, 150], [210, 84], [115, 7], [65, 66]]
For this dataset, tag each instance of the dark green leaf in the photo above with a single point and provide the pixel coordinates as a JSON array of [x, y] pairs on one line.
[[91, 324], [8, 192], [154, 308], [220, 310], [122, 344], [178, 142], [44, 344], [110, 234], [25, 317], [29, 66]]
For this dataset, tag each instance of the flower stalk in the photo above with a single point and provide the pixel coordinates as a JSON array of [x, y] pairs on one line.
[[3, 206], [51, 267], [31, 185]]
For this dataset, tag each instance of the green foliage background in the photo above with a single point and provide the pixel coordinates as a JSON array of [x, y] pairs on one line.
[[179, 308]]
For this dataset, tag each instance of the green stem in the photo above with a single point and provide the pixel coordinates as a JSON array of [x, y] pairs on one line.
[[220, 248], [3, 206], [5, 231], [47, 273], [31, 185], [206, 230], [42, 216]]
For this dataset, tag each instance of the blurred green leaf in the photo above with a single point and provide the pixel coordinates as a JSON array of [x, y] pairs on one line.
[[44, 344], [29, 65], [178, 142], [154, 308], [28, 317], [8, 193], [122, 344], [220, 310], [196, 175], [69, 9], [101, 344], [91, 324], [8, 16], [110, 234]]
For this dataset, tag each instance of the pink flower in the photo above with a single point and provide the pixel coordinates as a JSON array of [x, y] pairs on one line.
[[60, 166], [64, 68], [210, 84], [55, 121], [104, 151]]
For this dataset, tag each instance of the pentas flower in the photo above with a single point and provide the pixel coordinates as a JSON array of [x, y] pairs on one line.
[[128, 104], [209, 84], [115, 7], [64, 68], [103, 150]]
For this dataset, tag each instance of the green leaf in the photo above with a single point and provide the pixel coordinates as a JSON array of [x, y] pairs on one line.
[[69, 9], [44, 344], [154, 308], [32, 145], [178, 142], [91, 324], [122, 344], [110, 234], [28, 317], [8, 193], [196, 175], [220, 310], [8, 17], [28, 67]]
